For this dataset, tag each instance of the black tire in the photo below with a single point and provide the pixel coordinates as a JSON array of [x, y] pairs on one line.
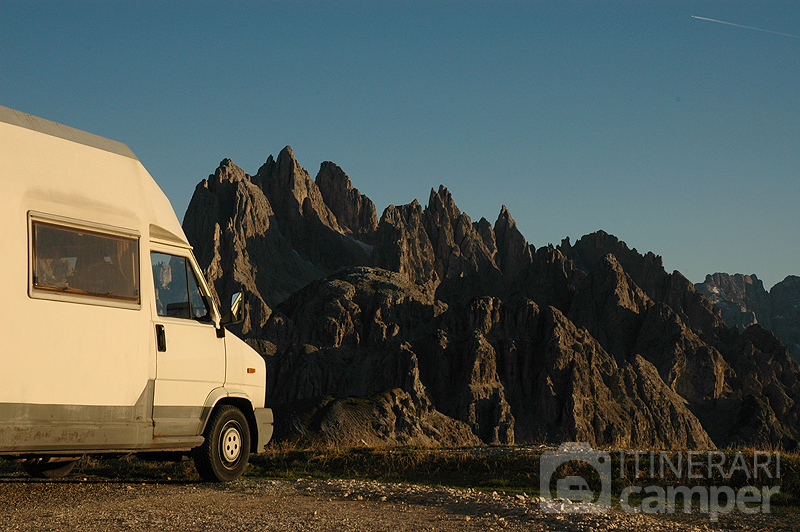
[[226, 449], [48, 468]]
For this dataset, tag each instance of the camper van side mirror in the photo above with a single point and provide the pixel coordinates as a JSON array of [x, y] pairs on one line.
[[236, 313]]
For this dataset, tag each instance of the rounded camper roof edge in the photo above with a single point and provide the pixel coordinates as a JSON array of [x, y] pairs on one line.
[[18, 118], [159, 234]]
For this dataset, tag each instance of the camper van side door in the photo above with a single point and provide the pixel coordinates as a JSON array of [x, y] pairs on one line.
[[190, 358]]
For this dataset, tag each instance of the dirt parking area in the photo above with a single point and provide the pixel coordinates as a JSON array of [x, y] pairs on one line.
[[87, 504]]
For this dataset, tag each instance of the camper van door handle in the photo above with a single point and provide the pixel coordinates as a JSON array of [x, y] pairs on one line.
[[161, 338]]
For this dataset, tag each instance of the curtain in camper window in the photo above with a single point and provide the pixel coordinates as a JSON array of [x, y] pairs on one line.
[[72, 261]]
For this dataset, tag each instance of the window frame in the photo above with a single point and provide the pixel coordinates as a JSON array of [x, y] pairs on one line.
[[181, 249], [194, 280], [101, 230]]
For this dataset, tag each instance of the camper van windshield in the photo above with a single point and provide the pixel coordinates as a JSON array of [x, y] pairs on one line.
[[73, 261]]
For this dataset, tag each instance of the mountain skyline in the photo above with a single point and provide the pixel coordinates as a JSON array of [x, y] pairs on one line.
[[677, 134], [567, 238], [426, 327]]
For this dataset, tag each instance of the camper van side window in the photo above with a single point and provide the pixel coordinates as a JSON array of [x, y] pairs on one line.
[[177, 291], [72, 261]]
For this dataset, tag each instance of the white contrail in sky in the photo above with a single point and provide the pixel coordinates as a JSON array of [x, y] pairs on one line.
[[747, 27]]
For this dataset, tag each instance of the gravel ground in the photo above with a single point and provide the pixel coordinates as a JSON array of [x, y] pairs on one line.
[[313, 505]]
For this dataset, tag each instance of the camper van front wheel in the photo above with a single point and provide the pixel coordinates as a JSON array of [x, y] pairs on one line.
[[226, 449]]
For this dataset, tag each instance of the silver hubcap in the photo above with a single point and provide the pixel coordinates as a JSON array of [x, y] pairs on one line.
[[231, 444]]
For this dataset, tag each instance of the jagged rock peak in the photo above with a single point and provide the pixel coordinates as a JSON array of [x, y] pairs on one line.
[[354, 211], [393, 211], [743, 302], [442, 201], [593, 246], [285, 165], [402, 244], [791, 279], [737, 280], [741, 298], [292, 192], [285, 169], [486, 231], [227, 172], [504, 221], [513, 252], [785, 300]]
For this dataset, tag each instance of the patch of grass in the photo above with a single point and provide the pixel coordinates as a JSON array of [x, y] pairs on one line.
[[515, 470]]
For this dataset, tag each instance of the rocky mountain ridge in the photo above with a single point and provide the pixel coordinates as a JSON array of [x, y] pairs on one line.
[[425, 327], [743, 301]]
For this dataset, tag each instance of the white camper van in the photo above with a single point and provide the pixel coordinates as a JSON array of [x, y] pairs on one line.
[[113, 344]]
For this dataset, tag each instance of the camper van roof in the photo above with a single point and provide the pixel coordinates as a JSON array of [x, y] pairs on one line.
[[108, 186], [17, 118]]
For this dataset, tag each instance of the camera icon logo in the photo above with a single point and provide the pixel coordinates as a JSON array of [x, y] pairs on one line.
[[573, 494]]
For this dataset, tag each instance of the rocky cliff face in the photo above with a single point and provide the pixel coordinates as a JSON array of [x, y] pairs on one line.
[[269, 234], [507, 372], [425, 327], [785, 318], [744, 302], [354, 212], [741, 299]]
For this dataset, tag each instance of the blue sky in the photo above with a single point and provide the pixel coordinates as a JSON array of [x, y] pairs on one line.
[[678, 135]]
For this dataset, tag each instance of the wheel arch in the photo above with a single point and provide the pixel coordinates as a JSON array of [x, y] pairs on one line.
[[244, 405]]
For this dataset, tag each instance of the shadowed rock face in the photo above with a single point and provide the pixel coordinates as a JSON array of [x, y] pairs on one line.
[[785, 318], [234, 222], [513, 254], [423, 327], [744, 302], [741, 299], [508, 372], [402, 245], [270, 234], [354, 211]]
